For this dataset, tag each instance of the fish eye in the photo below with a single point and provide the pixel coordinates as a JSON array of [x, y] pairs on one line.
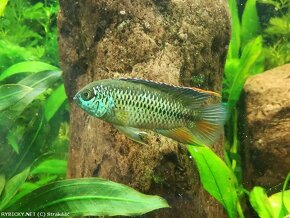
[[87, 95]]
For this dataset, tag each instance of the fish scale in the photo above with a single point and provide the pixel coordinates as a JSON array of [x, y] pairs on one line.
[[132, 105], [144, 108]]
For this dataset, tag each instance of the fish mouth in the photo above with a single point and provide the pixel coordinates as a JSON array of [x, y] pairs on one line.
[[75, 98]]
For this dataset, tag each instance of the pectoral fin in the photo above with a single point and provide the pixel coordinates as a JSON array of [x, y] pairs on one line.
[[135, 134]]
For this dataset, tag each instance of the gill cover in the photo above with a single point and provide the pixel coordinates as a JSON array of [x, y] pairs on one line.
[[93, 101]]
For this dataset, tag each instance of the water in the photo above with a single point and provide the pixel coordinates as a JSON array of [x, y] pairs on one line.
[[49, 51]]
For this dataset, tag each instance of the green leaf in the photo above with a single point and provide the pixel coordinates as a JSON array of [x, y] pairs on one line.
[[25, 188], [27, 67], [12, 93], [12, 187], [250, 22], [280, 209], [54, 102], [28, 187], [216, 178], [3, 4], [39, 82], [250, 54], [88, 197], [281, 201], [260, 202], [53, 166], [13, 141], [231, 67], [29, 148], [2, 182], [234, 47]]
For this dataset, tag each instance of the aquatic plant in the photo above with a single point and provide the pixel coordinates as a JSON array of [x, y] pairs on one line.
[[277, 34], [245, 58], [77, 197], [277, 205], [28, 160], [34, 126], [217, 178], [34, 135], [28, 32]]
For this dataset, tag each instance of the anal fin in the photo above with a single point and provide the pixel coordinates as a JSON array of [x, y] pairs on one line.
[[181, 134], [135, 134], [202, 134]]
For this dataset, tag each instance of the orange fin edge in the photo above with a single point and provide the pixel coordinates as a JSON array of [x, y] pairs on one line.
[[182, 135]]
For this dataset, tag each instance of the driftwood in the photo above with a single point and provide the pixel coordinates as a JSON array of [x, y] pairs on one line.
[[181, 42]]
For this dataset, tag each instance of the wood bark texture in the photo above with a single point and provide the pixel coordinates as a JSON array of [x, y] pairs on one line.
[[181, 42]]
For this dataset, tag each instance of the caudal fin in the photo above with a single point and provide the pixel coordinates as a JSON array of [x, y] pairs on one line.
[[209, 125], [203, 130]]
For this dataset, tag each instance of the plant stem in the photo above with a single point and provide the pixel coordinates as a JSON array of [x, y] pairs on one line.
[[240, 210]]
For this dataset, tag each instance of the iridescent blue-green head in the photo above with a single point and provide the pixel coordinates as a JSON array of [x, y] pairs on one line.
[[94, 99]]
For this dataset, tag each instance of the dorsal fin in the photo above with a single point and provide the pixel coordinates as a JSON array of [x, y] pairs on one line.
[[187, 94]]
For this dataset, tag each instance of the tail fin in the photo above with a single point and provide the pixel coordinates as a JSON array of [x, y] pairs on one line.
[[209, 125], [203, 130]]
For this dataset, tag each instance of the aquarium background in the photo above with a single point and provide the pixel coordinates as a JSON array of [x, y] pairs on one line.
[[34, 114]]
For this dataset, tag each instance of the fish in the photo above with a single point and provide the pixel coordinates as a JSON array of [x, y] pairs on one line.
[[135, 106]]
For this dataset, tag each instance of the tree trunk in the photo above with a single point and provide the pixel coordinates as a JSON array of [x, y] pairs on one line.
[[177, 42]]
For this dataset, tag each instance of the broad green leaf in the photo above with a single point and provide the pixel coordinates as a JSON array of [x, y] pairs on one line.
[[216, 178], [250, 22], [27, 67], [28, 187], [12, 141], [234, 47], [54, 102], [260, 202], [277, 204], [39, 82], [88, 197], [52, 166], [2, 182], [12, 93], [12, 186], [42, 79], [3, 4], [281, 201], [250, 54], [231, 68], [29, 148]]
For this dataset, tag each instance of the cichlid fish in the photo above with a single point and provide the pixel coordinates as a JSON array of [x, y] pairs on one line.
[[131, 105]]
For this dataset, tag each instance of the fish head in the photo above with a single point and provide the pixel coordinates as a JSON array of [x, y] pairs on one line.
[[92, 100]]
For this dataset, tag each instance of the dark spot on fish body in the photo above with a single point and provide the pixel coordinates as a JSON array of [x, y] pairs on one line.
[[156, 110]]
